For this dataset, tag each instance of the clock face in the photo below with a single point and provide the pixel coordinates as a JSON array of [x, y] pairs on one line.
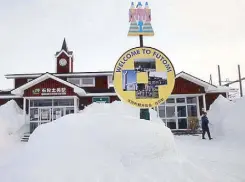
[[62, 62]]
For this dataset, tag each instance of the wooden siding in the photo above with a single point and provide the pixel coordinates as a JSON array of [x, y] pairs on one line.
[[114, 98], [63, 69], [210, 98], [183, 86], [49, 83], [19, 82]]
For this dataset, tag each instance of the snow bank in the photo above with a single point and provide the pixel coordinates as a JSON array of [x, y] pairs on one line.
[[234, 122], [11, 116], [5, 139], [227, 119], [120, 108], [10, 121], [97, 146], [216, 114]]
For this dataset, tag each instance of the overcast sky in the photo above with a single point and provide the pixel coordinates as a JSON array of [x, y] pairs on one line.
[[196, 35]]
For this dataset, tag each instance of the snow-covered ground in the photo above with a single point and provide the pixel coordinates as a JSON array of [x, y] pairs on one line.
[[108, 143]]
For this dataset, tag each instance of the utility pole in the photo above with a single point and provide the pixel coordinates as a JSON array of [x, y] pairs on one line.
[[219, 75], [240, 80], [210, 79]]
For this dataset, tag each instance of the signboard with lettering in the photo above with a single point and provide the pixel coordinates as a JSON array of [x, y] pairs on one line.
[[101, 99], [49, 91], [144, 77]]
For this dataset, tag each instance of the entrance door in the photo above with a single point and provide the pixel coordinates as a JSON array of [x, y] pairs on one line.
[[171, 117], [181, 116], [176, 117], [57, 113], [44, 115]]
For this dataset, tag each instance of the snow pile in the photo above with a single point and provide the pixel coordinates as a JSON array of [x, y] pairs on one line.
[[216, 114], [234, 122], [5, 139], [11, 116], [227, 119], [11, 120], [98, 146], [120, 108]]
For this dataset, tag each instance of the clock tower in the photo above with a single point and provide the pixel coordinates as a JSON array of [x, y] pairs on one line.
[[64, 59]]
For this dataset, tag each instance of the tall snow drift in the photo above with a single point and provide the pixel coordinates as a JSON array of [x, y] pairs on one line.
[[11, 120], [216, 114], [227, 119], [120, 108], [102, 145], [12, 116], [234, 122]]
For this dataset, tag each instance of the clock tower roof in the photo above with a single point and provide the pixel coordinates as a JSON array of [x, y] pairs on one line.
[[64, 48]]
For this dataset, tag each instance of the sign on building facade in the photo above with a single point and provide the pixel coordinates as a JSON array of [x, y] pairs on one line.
[[49, 91]]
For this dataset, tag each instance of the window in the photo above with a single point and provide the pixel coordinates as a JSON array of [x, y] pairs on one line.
[[180, 100], [171, 123], [88, 81], [170, 100], [110, 80], [75, 81], [63, 102], [170, 111], [162, 111], [40, 103], [85, 82], [181, 110], [192, 110], [191, 100], [182, 123]]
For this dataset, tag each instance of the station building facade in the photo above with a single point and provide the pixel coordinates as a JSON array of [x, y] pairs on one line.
[[44, 97]]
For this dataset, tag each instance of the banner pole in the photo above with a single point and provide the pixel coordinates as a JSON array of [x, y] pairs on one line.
[[144, 113]]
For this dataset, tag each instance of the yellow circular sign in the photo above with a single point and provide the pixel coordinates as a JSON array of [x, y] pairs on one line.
[[144, 77]]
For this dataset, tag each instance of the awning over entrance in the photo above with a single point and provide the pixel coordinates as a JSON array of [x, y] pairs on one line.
[[21, 90]]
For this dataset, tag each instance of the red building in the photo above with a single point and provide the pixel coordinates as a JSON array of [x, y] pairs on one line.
[[45, 97]]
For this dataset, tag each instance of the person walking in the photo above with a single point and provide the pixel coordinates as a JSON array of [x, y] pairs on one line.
[[205, 127]]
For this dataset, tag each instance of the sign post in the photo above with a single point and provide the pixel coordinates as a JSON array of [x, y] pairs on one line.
[[143, 76], [144, 113]]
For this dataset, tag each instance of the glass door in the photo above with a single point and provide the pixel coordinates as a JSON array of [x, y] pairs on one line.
[[69, 110], [181, 116], [58, 113], [44, 115], [171, 117]]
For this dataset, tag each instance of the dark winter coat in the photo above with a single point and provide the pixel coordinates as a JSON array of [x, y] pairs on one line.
[[205, 122]]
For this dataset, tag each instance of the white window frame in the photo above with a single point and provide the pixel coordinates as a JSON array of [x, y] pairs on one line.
[[175, 104], [87, 85], [110, 81], [69, 80], [81, 81]]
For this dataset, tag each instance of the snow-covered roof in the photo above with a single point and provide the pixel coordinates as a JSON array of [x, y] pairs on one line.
[[20, 90], [209, 88], [221, 89], [6, 90], [194, 79]]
